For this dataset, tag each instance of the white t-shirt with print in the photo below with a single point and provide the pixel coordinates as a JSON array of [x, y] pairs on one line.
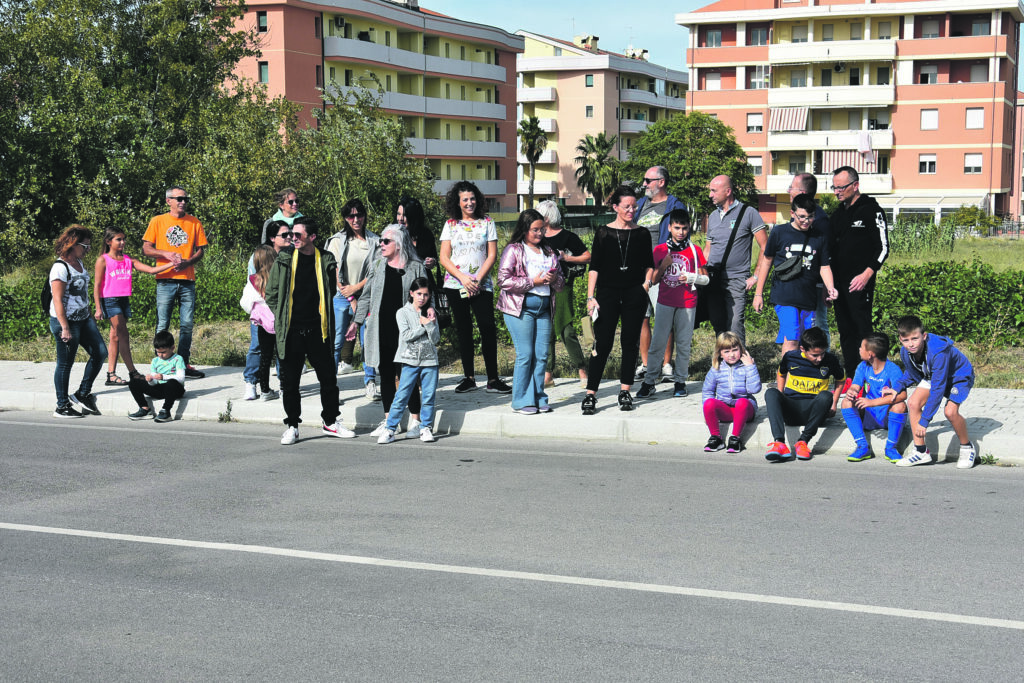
[[469, 248], [76, 296]]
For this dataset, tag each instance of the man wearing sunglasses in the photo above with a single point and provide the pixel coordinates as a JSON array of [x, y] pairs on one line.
[[287, 210], [176, 237]]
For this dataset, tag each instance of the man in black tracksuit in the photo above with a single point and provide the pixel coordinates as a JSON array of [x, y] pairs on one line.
[[859, 244]]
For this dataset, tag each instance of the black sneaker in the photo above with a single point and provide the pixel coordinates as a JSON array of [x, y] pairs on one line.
[[87, 401], [141, 414], [646, 390], [66, 412], [625, 400], [714, 444], [467, 384], [735, 445], [496, 386], [680, 390], [163, 416], [191, 372], [589, 404]]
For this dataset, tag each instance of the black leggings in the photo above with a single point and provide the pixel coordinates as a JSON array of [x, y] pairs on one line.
[[480, 306], [268, 350], [630, 305]]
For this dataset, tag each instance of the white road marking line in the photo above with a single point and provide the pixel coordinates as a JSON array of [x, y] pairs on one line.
[[532, 576]]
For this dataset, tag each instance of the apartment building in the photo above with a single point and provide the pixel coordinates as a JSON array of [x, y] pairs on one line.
[[575, 89], [918, 95], [452, 82]]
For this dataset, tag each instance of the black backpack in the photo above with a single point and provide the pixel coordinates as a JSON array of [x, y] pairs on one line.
[[46, 296]]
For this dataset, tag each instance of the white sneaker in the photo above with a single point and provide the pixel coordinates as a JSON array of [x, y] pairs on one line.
[[270, 395], [339, 430], [381, 427], [345, 368], [250, 392], [915, 458], [371, 391], [967, 456], [290, 436], [641, 372], [667, 371], [414, 431], [426, 436], [387, 436]]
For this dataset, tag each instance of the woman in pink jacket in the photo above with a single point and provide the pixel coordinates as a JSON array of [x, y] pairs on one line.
[[529, 276]]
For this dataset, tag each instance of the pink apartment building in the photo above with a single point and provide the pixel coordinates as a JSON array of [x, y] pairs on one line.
[[919, 96], [452, 82]]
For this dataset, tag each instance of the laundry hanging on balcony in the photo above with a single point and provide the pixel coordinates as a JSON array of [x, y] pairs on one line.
[[787, 119], [864, 146], [832, 159]]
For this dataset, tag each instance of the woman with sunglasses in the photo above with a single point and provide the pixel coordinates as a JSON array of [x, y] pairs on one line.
[[387, 288], [621, 273], [354, 247], [287, 210], [72, 324]]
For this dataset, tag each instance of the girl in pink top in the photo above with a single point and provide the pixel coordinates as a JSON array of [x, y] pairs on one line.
[[112, 291]]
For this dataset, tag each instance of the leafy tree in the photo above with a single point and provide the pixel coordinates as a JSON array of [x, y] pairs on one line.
[[597, 172], [694, 147], [532, 143]]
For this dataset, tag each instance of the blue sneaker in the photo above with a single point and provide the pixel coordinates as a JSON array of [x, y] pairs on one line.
[[680, 390], [861, 453]]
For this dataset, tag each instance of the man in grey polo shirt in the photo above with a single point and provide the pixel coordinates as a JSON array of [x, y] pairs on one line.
[[726, 303]]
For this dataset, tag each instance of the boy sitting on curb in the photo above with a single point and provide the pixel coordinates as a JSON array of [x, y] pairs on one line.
[[940, 370], [166, 380], [874, 410], [801, 396]]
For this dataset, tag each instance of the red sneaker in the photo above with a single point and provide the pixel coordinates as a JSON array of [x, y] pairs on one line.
[[803, 451], [777, 450]]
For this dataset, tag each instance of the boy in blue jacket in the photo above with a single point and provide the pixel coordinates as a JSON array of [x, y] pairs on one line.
[[940, 371]]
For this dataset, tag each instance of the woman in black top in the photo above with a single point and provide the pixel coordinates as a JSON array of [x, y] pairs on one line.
[[410, 215], [621, 270]]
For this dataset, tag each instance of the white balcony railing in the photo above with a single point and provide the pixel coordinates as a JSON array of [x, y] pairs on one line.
[[549, 156], [633, 126], [549, 125], [832, 51], [468, 69], [349, 48], [540, 187], [490, 188], [870, 183], [535, 95], [638, 96], [827, 139], [437, 105], [833, 96]]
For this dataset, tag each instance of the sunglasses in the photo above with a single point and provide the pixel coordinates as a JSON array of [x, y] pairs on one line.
[[285, 235], [356, 215], [85, 246], [386, 240], [293, 202], [179, 199]]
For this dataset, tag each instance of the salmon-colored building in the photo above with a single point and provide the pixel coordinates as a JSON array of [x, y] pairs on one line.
[[452, 82], [577, 89], [918, 95]]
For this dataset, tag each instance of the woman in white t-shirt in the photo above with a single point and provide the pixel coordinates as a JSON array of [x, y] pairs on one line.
[[469, 248], [72, 324]]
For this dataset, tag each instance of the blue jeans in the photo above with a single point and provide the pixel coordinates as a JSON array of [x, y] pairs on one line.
[[426, 377], [343, 315], [252, 356], [184, 291], [531, 334], [84, 333]]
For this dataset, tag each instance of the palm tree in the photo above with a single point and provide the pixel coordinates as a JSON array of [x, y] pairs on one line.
[[532, 143], [597, 171]]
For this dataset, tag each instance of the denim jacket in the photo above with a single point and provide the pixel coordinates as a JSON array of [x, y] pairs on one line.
[[514, 281]]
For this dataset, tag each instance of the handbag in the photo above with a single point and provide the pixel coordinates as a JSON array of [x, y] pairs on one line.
[[716, 275], [791, 268], [442, 309]]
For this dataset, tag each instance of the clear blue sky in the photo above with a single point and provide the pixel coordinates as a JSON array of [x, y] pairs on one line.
[[648, 25]]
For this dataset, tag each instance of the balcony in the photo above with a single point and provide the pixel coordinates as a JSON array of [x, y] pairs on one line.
[[417, 104], [457, 148], [535, 95], [540, 187], [827, 139], [870, 183], [832, 51], [393, 57], [833, 96], [638, 96], [549, 156], [490, 188], [633, 126], [464, 68], [549, 125]]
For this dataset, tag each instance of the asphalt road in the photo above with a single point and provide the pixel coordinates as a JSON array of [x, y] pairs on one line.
[[200, 551]]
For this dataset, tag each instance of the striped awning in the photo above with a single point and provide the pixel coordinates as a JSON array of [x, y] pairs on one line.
[[787, 118], [831, 159]]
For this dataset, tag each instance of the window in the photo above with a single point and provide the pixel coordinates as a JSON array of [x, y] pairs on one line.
[[979, 73], [926, 164], [797, 165], [853, 120], [855, 75], [319, 76], [798, 78], [827, 32], [759, 36], [759, 77], [799, 34], [331, 73], [929, 74], [755, 122], [826, 77], [349, 76], [975, 118], [558, 52], [387, 83], [882, 75], [929, 119], [856, 31], [387, 38], [590, 80], [930, 28], [824, 120], [714, 38], [590, 111], [318, 27], [756, 165], [884, 31], [980, 26], [972, 164], [713, 81], [261, 22], [264, 69], [462, 52]]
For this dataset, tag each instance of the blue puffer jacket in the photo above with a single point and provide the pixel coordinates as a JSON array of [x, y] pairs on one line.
[[730, 383]]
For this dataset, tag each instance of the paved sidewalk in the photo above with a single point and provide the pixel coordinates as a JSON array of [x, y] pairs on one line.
[[995, 417]]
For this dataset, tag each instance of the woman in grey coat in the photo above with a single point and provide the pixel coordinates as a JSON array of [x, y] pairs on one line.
[[385, 292]]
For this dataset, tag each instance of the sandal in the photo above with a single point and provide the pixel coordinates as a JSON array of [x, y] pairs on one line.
[[114, 381]]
